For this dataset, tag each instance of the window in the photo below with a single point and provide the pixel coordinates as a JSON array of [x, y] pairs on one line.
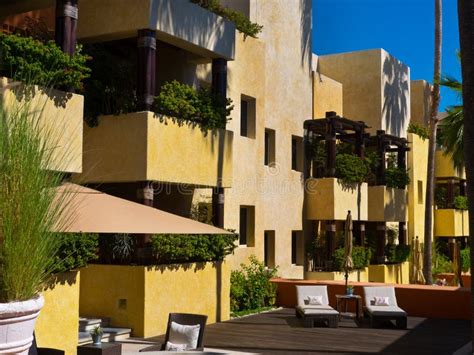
[[297, 248], [420, 192], [297, 153], [247, 226], [269, 249], [269, 158], [247, 116]]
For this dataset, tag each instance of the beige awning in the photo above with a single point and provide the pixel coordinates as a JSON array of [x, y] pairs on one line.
[[91, 211]]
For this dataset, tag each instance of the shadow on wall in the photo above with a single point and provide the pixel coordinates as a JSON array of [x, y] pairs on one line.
[[396, 93], [306, 27]]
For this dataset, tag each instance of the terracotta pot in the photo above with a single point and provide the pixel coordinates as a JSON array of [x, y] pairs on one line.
[[17, 323]]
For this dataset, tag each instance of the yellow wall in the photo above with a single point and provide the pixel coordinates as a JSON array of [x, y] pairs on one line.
[[417, 164], [58, 322], [355, 276], [327, 199], [391, 273], [60, 117], [140, 147], [327, 95], [420, 99], [376, 88], [387, 204], [451, 223], [152, 293], [445, 167]]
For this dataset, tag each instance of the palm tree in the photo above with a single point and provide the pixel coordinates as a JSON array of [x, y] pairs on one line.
[[466, 36], [435, 97]]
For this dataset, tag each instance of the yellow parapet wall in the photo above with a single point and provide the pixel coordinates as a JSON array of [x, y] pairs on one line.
[[390, 273], [359, 275], [58, 322], [143, 147], [451, 223], [387, 204], [445, 167], [60, 116], [141, 297]]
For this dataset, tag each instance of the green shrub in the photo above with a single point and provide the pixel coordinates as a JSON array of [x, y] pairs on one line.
[[360, 257], [201, 107], [76, 250], [419, 130], [242, 23], [397, 178], [31, 61], [441, 197], [441, 264], [188, 248], [397, 253], [460, 203], [250, 288], [466, 259], [351, 169]]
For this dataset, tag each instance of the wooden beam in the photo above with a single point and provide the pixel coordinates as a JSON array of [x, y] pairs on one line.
[[146, 69]]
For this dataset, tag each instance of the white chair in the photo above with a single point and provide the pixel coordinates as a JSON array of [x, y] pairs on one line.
[[310, 313], [380, 313]]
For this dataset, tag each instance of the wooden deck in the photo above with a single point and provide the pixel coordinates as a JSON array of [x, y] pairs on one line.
[[280, 332]]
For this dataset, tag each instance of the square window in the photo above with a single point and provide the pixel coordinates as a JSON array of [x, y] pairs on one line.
[[247, 116]]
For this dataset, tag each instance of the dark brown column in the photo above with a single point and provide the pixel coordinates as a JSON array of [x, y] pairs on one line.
[[145, 195], [66, 25], [381, 237], [359, 233], [330, 240], [381, 155], [462, 187], [146, 69], [450, 193], [219, 88], [402, 233], [401, 157], [330, 145], [360, 144]]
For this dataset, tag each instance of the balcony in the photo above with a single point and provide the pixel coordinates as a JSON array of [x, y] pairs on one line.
[[143, 147], [387, 204], [327, 200], [451, 223], [177, 22], [445, 167], [59, 113]]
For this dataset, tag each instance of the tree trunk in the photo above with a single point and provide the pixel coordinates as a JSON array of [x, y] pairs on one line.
[[430, 179], [466, 35]]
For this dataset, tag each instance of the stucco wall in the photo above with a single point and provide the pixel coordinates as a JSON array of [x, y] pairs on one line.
[[420, 99], [387, 204], [58, 322], [376, 88], [451, 223], [327, 96], [445, 168], [148, 294]]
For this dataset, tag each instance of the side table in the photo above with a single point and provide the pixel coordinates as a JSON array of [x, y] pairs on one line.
[[100, 349], [343, 300]]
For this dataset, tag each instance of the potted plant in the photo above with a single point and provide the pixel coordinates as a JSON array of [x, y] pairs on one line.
[[350, 290], [30, 210], [96, 335]]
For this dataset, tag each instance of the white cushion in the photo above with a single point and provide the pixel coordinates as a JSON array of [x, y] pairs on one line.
[[386, 311], [315, 300], [175, 347], [381, 301], [380, 291], [184, 334], [323, 309], [302, 293]]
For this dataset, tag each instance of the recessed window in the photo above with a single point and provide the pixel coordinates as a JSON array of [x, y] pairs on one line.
[[269, 158], [269, 249], [247, 116], [420, 191], [247, 226], [297, 248], [297, 153]]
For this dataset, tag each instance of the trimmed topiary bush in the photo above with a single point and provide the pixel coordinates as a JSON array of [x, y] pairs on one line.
[[397, 253], [460, 203], [76, 250], [351, 169], [360, 256]]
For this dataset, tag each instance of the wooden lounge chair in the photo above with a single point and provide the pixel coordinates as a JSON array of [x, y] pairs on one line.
[[383, 313], [184, 319], [311, 313], [34, 350]]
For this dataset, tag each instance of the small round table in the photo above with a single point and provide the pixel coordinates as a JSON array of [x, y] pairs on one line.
[[344, 300]]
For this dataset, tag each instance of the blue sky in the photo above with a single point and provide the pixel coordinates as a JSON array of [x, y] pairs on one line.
[[405, 28]]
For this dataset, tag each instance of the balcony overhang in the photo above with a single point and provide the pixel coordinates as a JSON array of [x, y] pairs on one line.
[[451, 223], [387, 204], [177, 22], [12, 7]]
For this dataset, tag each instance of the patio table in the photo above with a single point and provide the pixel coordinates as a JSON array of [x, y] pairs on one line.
[[345, 299]]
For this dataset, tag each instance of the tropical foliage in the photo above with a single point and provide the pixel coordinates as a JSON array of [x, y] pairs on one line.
[[242, 23], [351, 169], [397, 253], [419, 130], [460, 203], [250, 287], [76, 250], [360, 256]]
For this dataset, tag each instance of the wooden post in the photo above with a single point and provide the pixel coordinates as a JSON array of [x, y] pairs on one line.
[[330, 145], [381, 238], [146, 69], [402, 233], [219, 88], [330, 241], [145, 195], [66, 25], [401, 156], [381, 155], [359, 232], [462, 187], [450, 193], [360, 144]]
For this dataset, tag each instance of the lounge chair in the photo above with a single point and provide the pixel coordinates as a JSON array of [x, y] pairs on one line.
[[311, 313], [183, 319], [383, 312]]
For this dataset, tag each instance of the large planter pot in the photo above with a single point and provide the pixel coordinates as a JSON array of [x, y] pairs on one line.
[[17, 323]]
